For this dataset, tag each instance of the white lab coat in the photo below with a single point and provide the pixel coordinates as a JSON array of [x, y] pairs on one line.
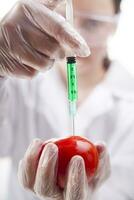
[[38, 109]]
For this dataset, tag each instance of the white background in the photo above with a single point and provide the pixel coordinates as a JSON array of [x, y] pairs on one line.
[[121, 47]]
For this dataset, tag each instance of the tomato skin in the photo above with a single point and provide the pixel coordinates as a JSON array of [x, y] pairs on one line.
[[72, 146]]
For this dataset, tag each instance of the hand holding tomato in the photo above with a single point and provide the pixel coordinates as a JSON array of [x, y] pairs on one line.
[[67, 169]]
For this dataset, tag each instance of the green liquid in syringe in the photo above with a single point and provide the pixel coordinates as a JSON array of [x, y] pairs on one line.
[[72, 89]]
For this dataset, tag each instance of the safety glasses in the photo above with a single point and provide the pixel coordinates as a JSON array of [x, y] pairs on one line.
[[92, 22], [94, 28]]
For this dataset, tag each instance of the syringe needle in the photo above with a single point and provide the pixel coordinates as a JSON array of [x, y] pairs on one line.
[[72, 109], [73, 125]]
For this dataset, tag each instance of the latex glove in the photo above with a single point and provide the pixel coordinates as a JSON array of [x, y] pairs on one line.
[[33, 36], [39, 175]]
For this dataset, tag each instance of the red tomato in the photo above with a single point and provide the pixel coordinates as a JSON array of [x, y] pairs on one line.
[[71, 146]]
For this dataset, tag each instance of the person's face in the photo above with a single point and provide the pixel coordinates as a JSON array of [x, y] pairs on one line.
[[94, 20], [91, 19]]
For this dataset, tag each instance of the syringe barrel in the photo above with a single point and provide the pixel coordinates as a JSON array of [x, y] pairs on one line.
[[72, 79]]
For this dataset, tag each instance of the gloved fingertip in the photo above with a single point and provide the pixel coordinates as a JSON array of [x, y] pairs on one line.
[[34, 146], [77, 162], [83, 50], [77, 158], [101, 148], [51, 147], [50, 152]]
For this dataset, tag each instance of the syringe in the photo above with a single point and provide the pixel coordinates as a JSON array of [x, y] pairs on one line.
[[71, 72]]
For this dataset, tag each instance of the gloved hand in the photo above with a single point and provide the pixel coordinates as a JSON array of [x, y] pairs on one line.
[[33, 36], [39, 175]]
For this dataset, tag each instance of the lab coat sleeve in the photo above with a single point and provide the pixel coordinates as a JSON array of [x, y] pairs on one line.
[[6, 136], [120, 185]]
